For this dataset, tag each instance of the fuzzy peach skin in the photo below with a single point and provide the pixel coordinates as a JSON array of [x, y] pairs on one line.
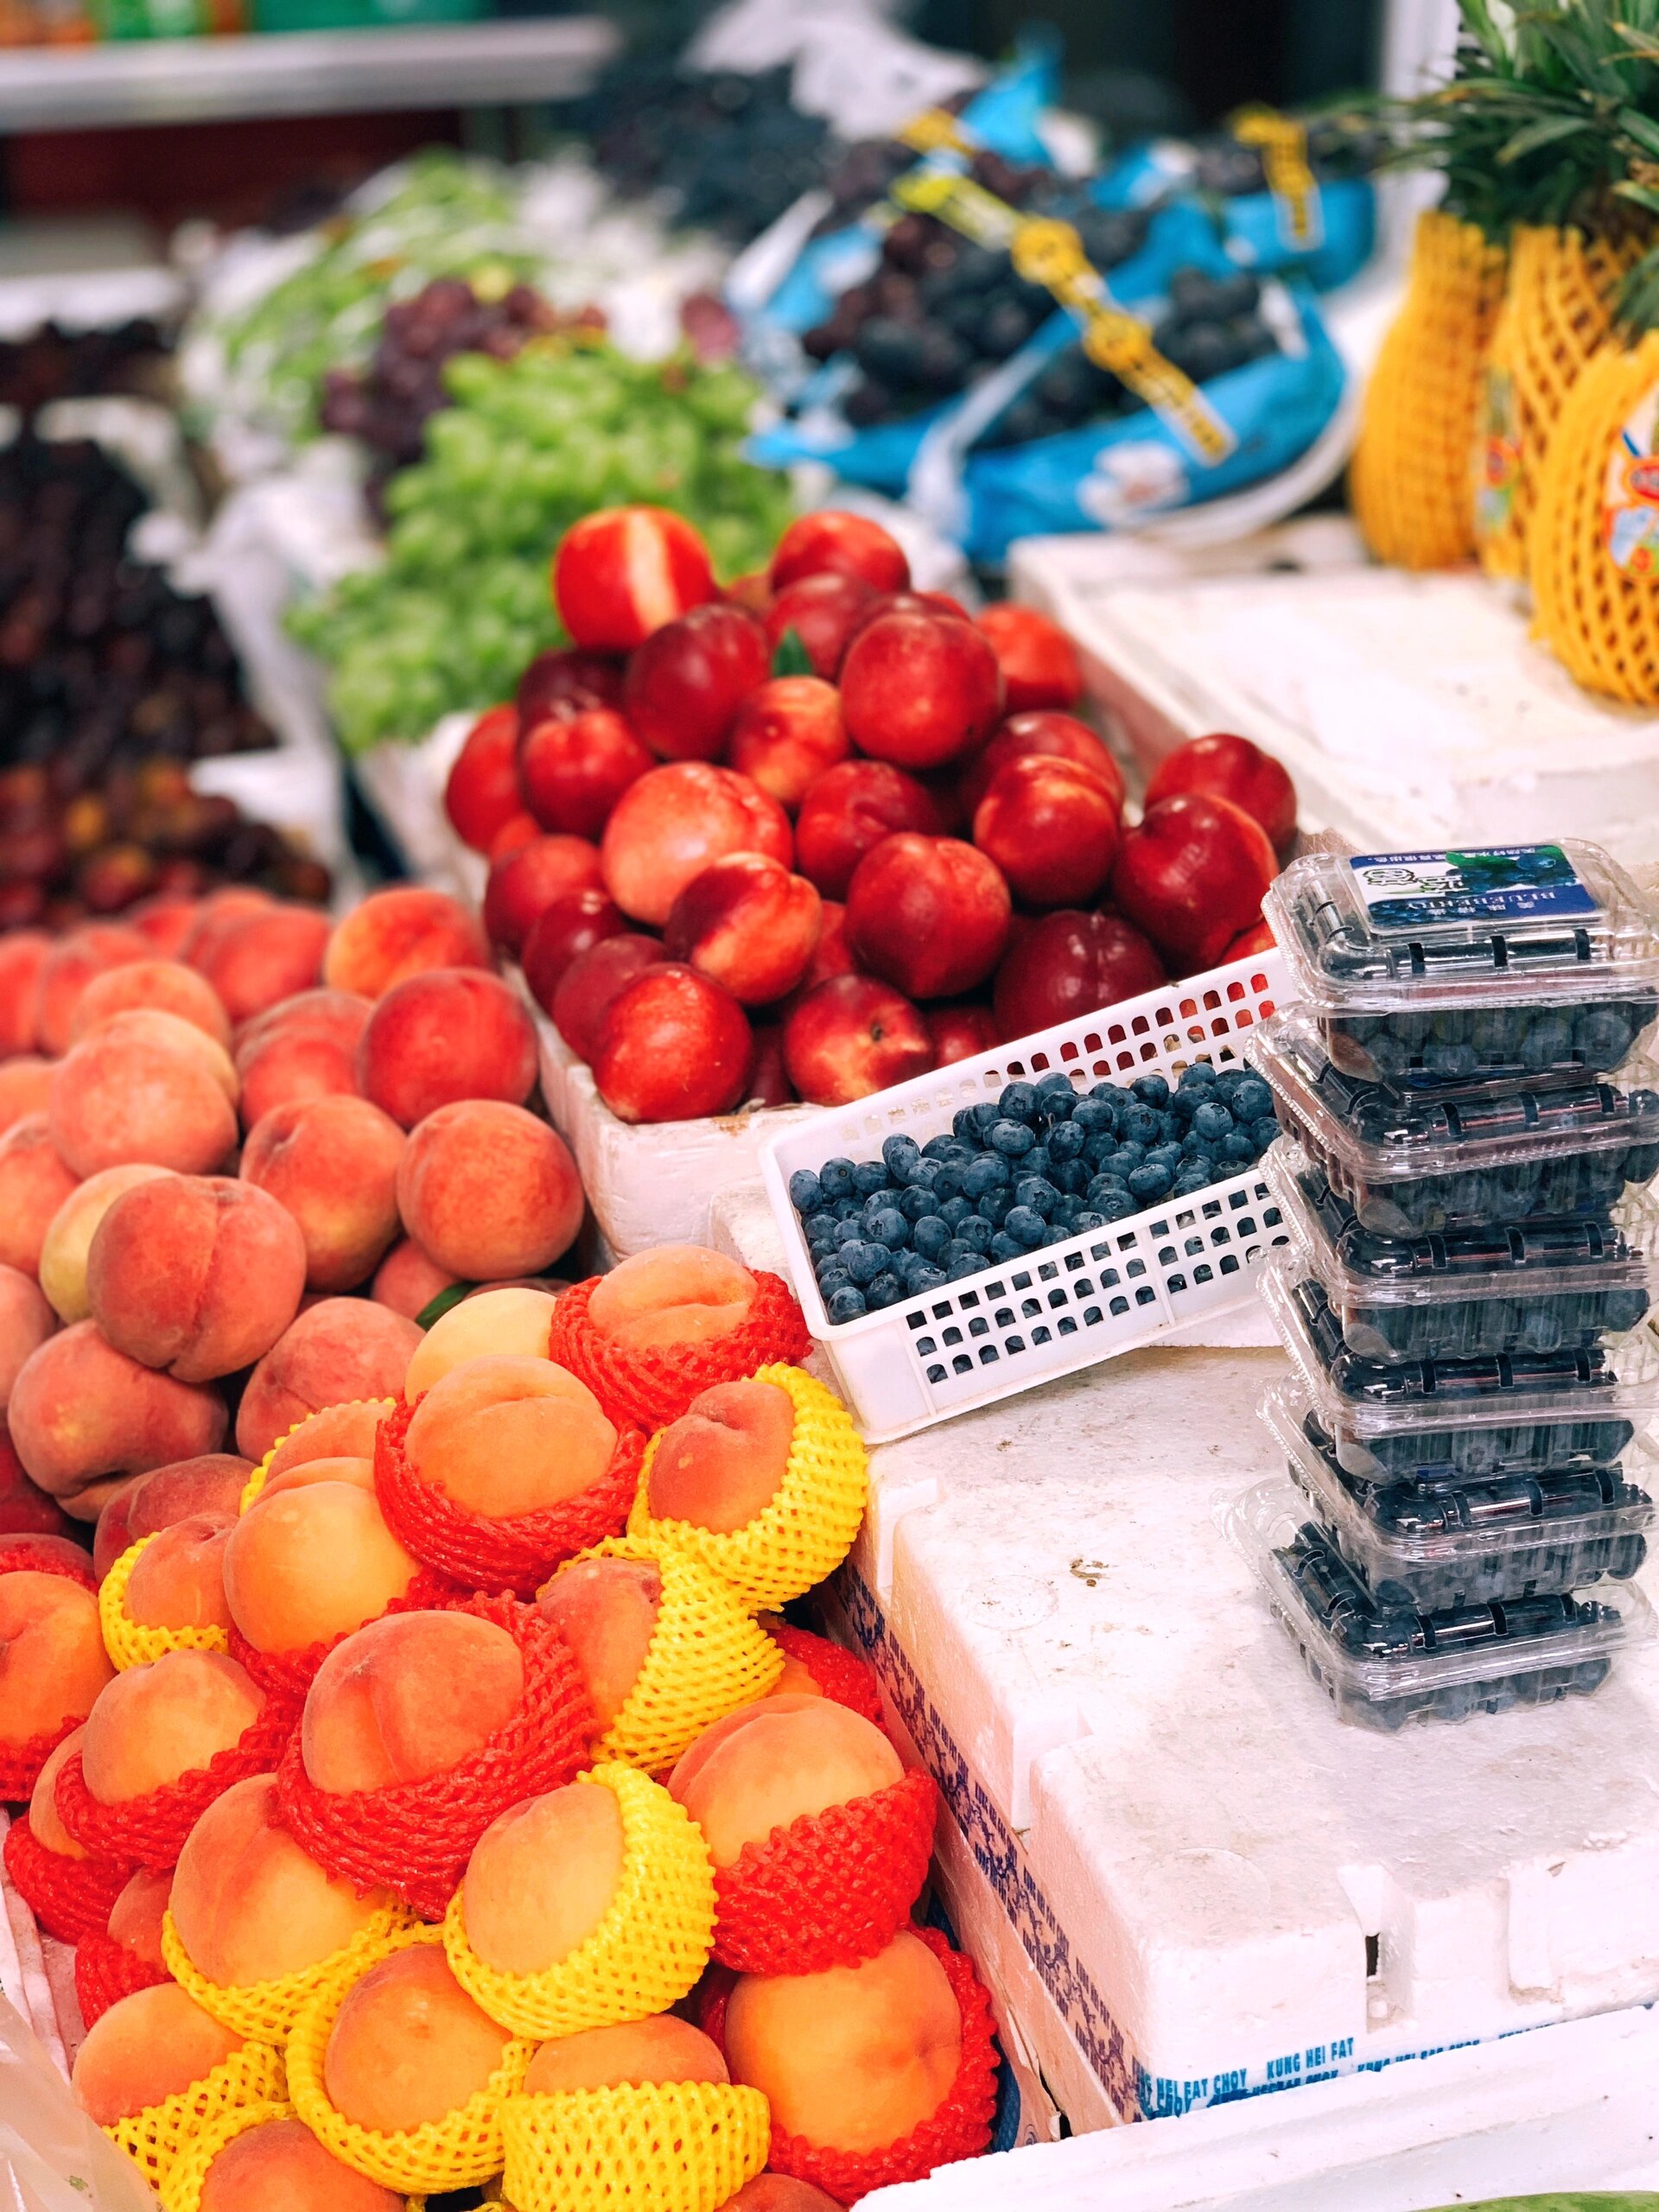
[[407, 1697], [66, 971], [210, 1483], [249, 1904], [451, 1034], [781, 1760], [26, 1322], [721, 1464], [312, 1563], [398, 933], [178, 1579], [605, 1610], [509, 1323], [675, 1294], [488, 1191], [198, 1275], [780, 2193], [409, 2044], [84, 1417], [43, 1817], [136, 1916], [133, 1091], [336, 1436], [854, 2058], [663, 2050], [166, 986], [53, 1663], [145, 2049], [69, 1236], [340, 1348], [306, 1048], [164, 922], [35, 1180], [154, 1723], [264, 957], [408, 1282], [25, 1087], [542, 1878], [280, 2166], [23, 952], [506, 1436], [333, 1163]]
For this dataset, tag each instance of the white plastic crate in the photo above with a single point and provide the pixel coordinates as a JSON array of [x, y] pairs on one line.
[[1102, 1292]]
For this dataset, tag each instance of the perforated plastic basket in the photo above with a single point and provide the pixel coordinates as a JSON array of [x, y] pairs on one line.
[[1106, 1290]]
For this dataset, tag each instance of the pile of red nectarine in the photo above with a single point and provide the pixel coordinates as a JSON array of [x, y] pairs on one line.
[[386, 1880], [822, 832]]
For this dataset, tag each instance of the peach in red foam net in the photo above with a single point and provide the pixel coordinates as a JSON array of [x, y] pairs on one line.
[[841, 1675], [150, 1831], [106, 1971], [653, 1388], [70, 1897], [287, 1675]]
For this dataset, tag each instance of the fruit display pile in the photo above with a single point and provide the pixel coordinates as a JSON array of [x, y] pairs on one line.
[[725, 884]]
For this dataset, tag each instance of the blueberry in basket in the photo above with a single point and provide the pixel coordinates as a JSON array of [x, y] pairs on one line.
[[1037, 1166]]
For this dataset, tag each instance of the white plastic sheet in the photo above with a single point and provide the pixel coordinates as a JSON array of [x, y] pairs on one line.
[[51, 2158]]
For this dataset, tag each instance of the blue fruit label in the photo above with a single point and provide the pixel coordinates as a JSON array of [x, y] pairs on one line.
[[1479, 883]]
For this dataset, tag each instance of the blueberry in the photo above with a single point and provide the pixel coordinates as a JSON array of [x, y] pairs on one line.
[[1005, 1248], [1151, 1090], [971, 1263], [1140, 1125], [1201, 1071], [990, 1172], [1017, 1103], [863, 1262], [1106, 1187], [924, 1175], [963, 1128], [836, 1179], [1213, 1122], [1164, 1155], [1053, 1084], [1263, 1133], [831, 1280], [1252, 1100], [849, 1232], [947, 1183], [1093, 1116], [1099, 1150], [924, 1278], [1117, 1208], [805, 1194], [994, 1206], [869, 1177], [976, 1232], [1066, 1140], [820, 1228], [1032, 1191], [1194, 1147], [929, 1235], [847, 1305], [847, 1209], [901, 1154], [1123, 1161], [1071, 1176], [985, 1115], [1027, 1226], [1150, 1183], [956, 1251], [889, 1227], [1237, 1147], [1228, 1080], [940, 1148], [1195, 1175], [1036, 1161], [1011, 1138], [955, 1211], [1087, 1220], [1171, 1127], [1110, 1094], [886, 1290]]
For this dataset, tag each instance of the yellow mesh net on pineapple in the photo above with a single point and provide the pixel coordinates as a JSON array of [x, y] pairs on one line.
[[131, 1644], [268, 2010], [1408, 481], [666, 2146], [157, 2138], [1595, 534]]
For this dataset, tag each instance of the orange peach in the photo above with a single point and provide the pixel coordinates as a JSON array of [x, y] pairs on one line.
[[211, 1482], [23, 952], [178, 1579], [154, 1723], [450, 1033], [26, 1322], [217, 915], [67, 970], [280, 2166], [310, 1564], [776, 1762], [154, 1025], [780, 2193], [132, 1093], [263, 956], [136, 1916], [69, 1236], [542, 1878], [359, 1473], [394, 934], [854, 2058], [338, 1348], [84, 1417], [663, 2050], [35, 1180], [720, 1466], [605, 1611], [304, 1048], [506, 1436], [198, 1275], [336, 1434], [509, 1323], [407, 1697], [675, 1294], [407, 1281], [145, 2048], [164, 923], [166, 985], [249, 1904], [488, 1191], [44, 1820], [53, 1663], [25, 1087], [333, 1164], [409, 2044]]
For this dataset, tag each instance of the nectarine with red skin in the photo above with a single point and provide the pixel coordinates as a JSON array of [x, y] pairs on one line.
[[566, 676], [575, 764], [961, 1032], [748, 925], [482, 790], [853, 1035], [1051, 828], [767, 1082], [622, 572], [930, 915], [686, 682], [570, 927], [1227, 766], [1070, 963], [669, 826], [1057, 736], [787, 732], [674, 1046], [919, 689], [395, 933], [849, 809], [822, 612], [592, 980], [524, 884], [1039, 662], [1193, 876], [832, 542], [453, 1033]]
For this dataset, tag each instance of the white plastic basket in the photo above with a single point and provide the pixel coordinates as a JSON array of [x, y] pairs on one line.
[[1105, 1291]]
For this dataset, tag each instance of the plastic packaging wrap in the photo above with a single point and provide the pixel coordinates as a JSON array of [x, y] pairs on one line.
[[51, 2158]]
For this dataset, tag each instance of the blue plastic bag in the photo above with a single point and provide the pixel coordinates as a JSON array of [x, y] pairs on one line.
[[1327, 241]]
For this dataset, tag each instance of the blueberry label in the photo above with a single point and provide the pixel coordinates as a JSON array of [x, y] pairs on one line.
[[1480, 883]]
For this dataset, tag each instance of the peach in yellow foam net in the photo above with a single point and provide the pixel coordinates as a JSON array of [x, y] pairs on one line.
[[268, 2010], [157, 2138], [648, 1951], [808, 1527], [1408, 481], [131, 1644], [183, 2189], [667, 2146], [261, 1474], [706, 1657], [458, 2152]]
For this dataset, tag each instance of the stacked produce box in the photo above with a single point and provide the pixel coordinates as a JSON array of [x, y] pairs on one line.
[[1469, 1132]]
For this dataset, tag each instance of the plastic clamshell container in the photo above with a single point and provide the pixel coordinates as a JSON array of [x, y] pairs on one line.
[[1410, 1163], [1463, 1420], [1526, 1287], [1505, 961], [1105, 1291], [1473, 1544], [1383, 1667]]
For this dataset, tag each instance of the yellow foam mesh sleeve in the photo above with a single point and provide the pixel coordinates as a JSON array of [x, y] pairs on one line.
[[127, 1642], [1409, 481], [268, 2010], [807, 1529], [261, 1475], [647, 1952], [668, 2146], [157, 2138], [182, 2190], [706, 1656], [458, 2152], [1558, 308]]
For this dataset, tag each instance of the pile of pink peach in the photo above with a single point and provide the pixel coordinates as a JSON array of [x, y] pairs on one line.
[[383, 1877]]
